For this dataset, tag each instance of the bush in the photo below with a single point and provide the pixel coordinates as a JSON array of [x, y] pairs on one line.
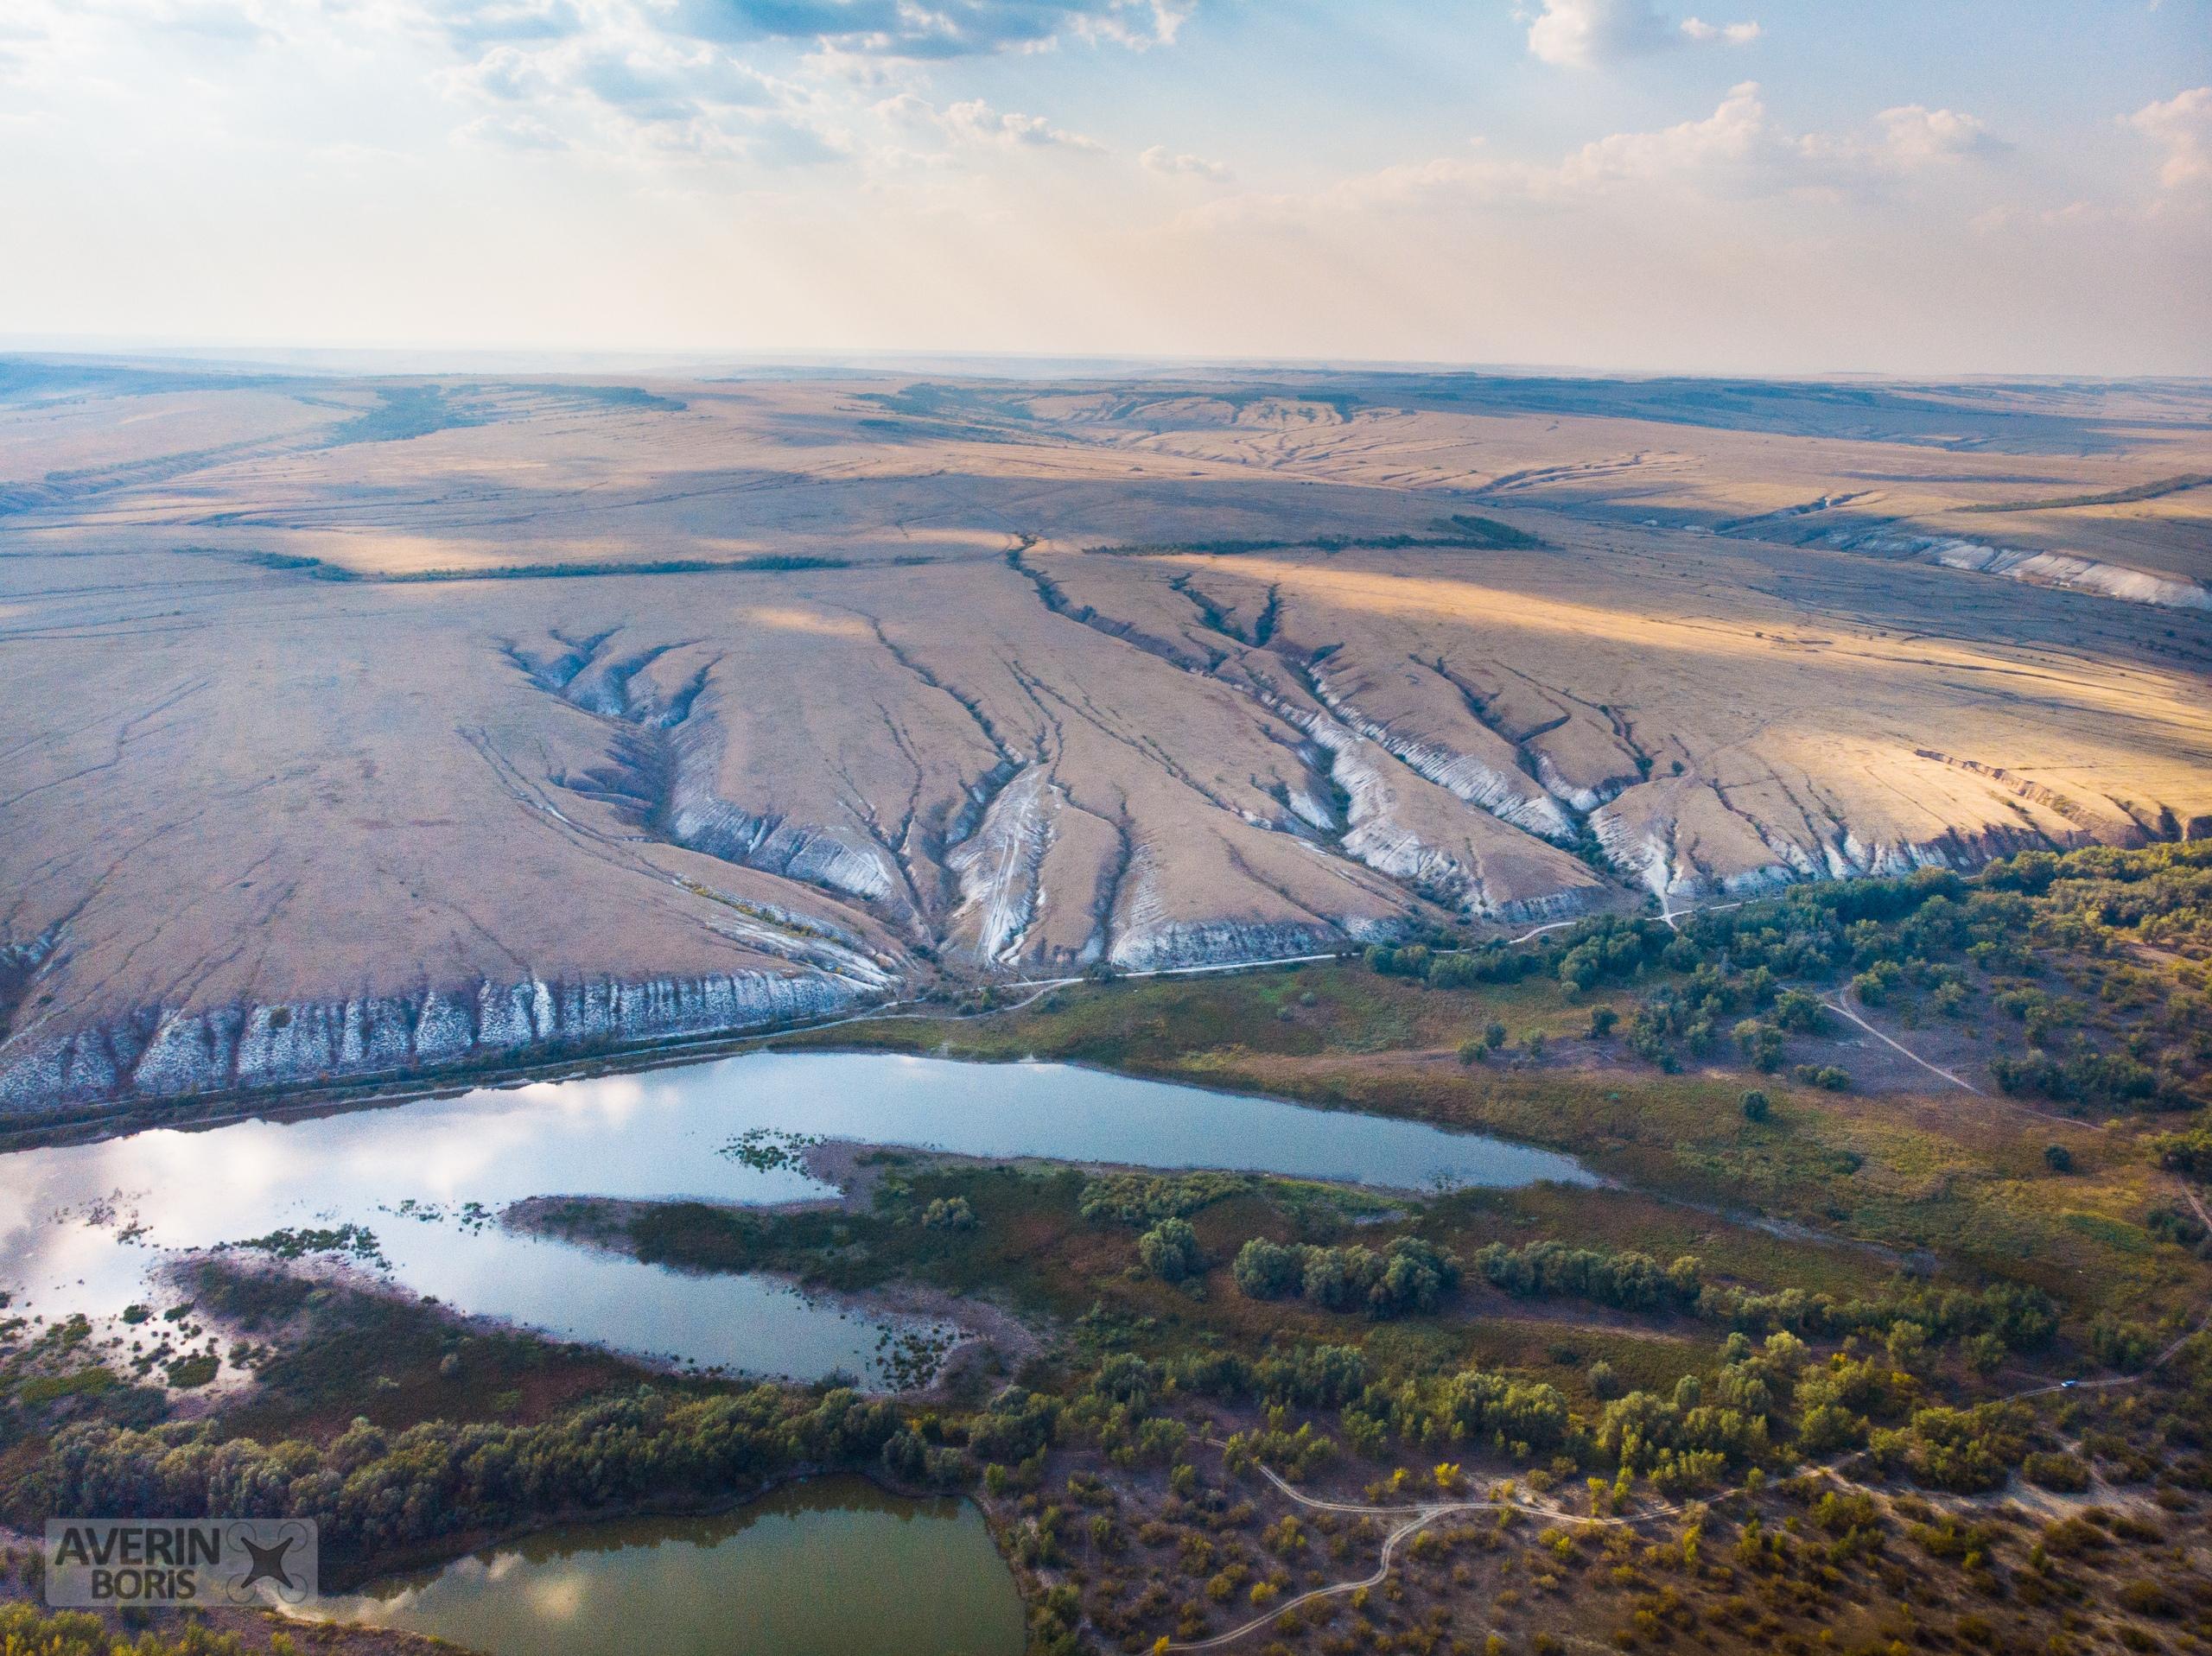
[[2122, 1345], [2189, 1152], [2058, 1159], [1409, 1275], [1803, 1013], [2147, 1597], [1755, 1105], [1265, 1270], [1628, 1280], [1318, 1377], [1147, 1198], [2060, 1471], [199, 1369], [1170, 1250], [1761, 1044], [35, 1632]]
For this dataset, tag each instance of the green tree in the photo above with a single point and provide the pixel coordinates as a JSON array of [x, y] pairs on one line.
[[1170, 1250]]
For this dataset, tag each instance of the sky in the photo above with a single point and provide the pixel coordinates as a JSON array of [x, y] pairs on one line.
[[1903, 186]]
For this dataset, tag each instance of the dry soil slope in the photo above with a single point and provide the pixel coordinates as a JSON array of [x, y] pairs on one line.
[[284, 809]]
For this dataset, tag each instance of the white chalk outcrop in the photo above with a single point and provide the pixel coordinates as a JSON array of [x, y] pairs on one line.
[[797, 851], [1401, 824], [999, 868], [160, 1055], [1496, 783], [1223, 942], [2068, 570]]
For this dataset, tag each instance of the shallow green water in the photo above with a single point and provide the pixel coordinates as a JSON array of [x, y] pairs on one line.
[[830, 1568]]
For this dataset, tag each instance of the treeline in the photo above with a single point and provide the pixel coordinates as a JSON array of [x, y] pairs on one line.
[[373, 1491], [1626, 1280], [1930, 933], [1409, 1275], [27, 1630], [2019, 1318], [1462, 531], [322, 569], [1147, 1198], [1495, 961]]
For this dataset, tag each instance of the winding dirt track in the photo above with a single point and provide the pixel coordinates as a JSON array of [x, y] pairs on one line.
[[1415, 1519], [1418, 1518], [1840, 1005]]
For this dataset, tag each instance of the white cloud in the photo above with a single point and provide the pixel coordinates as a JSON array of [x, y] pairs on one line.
[[1739, 151], [1913, 137], [948, 28], [1729, 34], [1741, 148], [1162, 160], [513, 132], [480, 23], [1738, 137], [2181, 126], [630, 94], [975, 122], [978, 121], [1578, 34]]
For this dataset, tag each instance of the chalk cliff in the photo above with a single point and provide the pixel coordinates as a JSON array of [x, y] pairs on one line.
[[159, 1055]]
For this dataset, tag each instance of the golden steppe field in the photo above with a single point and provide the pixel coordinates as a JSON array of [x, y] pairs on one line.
[[376, 725]]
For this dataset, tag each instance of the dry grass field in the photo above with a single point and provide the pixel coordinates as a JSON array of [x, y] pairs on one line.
[[377, 725]]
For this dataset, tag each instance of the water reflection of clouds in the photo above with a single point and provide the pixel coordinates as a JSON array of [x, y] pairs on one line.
[[615, 1099], [558, 1598], [648, 1136]]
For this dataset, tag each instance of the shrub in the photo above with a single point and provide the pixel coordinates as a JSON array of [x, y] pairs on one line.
[[1265, 1270], [1170, 1250], [1755, 1105], [1409, 1275], [2187, 1153], [1630, 1280], [1147, 1198], [1796, 1010], [1761, 1044], [2147, 1597], [1318, 1377], [2056, 1471], [2122, 1345], [199, 1369]]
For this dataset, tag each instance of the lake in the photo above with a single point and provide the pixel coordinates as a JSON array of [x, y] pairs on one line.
[[833, 1568], [84, 1228]]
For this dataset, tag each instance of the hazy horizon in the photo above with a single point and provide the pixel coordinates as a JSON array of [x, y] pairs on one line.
[[1764, 188], [416, 361]]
